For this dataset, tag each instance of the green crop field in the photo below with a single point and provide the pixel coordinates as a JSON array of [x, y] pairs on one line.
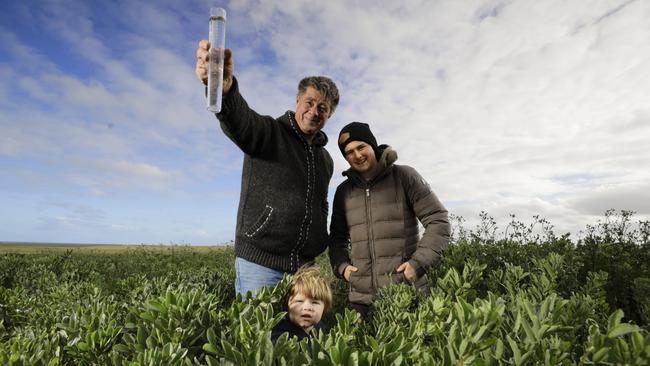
[[525, 298]]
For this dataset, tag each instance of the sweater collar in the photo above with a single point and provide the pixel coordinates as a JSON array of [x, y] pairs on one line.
[[388, 157], [289, 119]]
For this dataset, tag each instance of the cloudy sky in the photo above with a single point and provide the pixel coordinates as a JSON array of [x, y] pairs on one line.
[[521, 107]]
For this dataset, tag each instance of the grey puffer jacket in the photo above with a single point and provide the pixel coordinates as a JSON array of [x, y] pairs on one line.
[[379, 220], [282, 216]]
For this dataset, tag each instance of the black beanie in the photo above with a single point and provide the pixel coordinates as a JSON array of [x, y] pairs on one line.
[[357, 131]]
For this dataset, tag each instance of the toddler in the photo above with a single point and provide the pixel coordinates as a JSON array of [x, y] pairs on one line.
[[310, 296]]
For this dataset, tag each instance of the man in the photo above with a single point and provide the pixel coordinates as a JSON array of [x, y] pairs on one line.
[[282, 215], [376, 211]]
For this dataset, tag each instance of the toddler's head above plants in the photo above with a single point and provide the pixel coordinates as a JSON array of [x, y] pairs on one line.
[[310, 296]]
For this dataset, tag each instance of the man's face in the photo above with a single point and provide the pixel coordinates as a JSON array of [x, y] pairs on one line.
[[361, 157], [312, 112], [305, 311]]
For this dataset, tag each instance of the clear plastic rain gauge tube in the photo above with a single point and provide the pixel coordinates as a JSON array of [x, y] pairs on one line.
[[217, 41]]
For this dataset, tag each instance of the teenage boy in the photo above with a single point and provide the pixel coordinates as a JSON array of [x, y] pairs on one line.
[[375, 214]]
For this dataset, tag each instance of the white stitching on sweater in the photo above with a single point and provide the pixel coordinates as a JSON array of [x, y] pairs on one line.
[[268, 216], [311, 161], [310, 182], [298, 246]]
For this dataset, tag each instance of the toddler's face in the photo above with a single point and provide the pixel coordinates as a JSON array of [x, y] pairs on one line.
[[305, 311]]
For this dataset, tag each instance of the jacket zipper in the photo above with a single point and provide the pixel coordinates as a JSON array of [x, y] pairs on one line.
[[371, 242]]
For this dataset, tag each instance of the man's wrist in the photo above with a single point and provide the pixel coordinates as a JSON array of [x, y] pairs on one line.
[[227, 85]]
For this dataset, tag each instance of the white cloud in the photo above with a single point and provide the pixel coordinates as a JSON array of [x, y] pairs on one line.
[[634, 197], [140, 170], [112, 177], [115, 114], [80, 211], [522, 106]]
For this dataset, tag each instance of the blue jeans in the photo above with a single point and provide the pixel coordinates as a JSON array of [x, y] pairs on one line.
[[252, 277]]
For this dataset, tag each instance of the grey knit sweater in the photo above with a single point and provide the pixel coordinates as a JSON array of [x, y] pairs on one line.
[[282, 216]]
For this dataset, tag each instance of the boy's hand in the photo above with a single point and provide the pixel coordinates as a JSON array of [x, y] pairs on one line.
[[348, 271], [409, 271]]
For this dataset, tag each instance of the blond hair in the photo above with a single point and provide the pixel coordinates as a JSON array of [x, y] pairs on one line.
[[310, 282]]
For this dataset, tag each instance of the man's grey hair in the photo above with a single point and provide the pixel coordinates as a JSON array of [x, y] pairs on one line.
[[325, 86]]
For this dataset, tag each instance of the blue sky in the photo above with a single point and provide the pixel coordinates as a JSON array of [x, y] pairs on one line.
[[512, 107]]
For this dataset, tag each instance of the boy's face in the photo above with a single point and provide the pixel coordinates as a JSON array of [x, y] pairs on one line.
[[361, 157], [304, 311]]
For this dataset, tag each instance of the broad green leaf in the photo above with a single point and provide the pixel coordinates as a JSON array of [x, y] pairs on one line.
[[170, 298], [530, 335], [515, 350], [622, 329], [479, 334], [154, 305], [209, 348], [615, 319], [147, 315], [212, 337], [121, 348], [637, 342], [498, 352], [600, 355]]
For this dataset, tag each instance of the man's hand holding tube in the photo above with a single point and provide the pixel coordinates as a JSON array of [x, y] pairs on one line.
[[202, 59]]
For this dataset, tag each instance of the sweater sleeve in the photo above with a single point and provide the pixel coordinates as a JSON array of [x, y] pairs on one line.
[[253, 133], [339, 235], [433, 216]]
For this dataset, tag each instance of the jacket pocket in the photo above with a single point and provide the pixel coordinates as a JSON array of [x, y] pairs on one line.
[[400, 278], [354, 281], [261, 222], [393, 277], [360, 283]]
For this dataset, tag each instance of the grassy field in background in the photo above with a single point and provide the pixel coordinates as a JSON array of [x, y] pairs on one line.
[[22, 247]]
